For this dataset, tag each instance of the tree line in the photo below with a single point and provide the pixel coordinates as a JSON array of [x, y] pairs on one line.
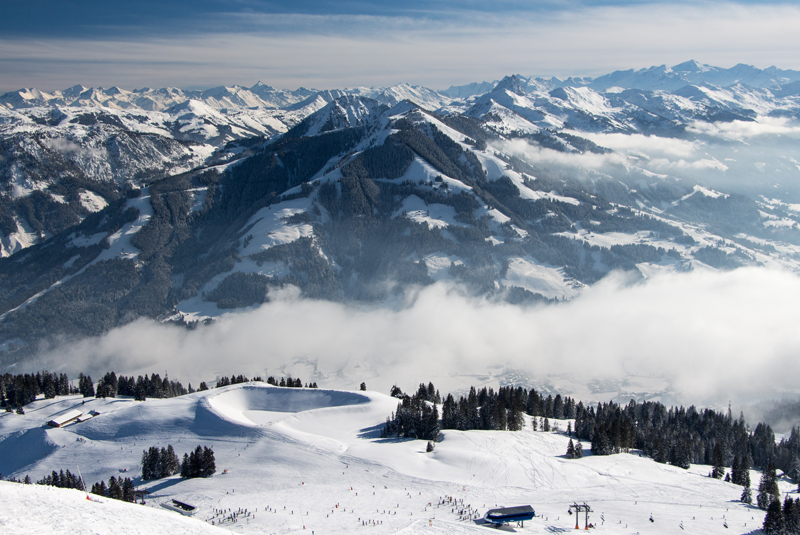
[[479, 409], [20, 389], [683, 436]]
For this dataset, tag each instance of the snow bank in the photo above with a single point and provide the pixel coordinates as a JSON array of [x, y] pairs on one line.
[[261, 404]]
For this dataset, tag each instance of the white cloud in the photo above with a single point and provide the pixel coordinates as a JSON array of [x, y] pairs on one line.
[[545, 156], [63, 145], [744, 130], [714, 336], [653, 145]]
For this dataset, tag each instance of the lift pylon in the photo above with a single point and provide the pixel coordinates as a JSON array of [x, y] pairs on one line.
[[578, 509]]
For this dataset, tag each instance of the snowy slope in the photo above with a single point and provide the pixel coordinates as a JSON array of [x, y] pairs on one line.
[[313, 460], [43, 510]]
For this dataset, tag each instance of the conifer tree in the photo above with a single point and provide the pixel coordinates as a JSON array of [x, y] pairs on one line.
[[570, 450], [114, 489], [163, 463], [744, 469], [747, 496], [790, 516], [185, 466], [578, 450], [773, 521], [196, 462], [208, 466], [768, 488], [173, 464], [736, 471], [127, 490], [718, 469]]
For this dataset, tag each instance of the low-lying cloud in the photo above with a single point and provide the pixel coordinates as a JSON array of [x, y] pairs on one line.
[[744, 130], [705, 337]]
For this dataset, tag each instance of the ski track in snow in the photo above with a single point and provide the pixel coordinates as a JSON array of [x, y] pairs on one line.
[[306, 449]]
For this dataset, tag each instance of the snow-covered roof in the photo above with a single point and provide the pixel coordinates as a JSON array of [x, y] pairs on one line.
[[66, 417]]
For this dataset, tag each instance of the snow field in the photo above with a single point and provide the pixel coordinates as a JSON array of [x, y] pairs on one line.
[[41, 510], [548, 281], [314, 450], [269, 228]]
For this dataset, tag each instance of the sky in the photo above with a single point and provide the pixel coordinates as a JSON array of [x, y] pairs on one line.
[[321, 44]]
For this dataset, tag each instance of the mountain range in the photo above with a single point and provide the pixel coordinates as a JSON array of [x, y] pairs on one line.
[[183, 205]]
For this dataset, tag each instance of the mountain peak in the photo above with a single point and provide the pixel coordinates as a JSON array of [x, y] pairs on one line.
[[690, 66], [510, 83]]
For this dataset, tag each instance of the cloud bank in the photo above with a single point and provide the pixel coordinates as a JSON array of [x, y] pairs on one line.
[[705, 337]]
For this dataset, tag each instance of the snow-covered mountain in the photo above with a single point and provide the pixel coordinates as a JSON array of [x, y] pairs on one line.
[[198, 203]]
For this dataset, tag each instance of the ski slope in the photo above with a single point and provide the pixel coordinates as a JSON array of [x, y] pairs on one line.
[[312, 461]]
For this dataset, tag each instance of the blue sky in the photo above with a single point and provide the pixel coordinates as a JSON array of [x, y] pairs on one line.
[[314, 43]]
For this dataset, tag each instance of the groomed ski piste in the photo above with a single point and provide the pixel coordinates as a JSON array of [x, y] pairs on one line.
[[313, 461]]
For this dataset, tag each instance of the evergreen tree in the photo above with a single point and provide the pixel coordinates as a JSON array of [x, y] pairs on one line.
[[114, 489], [163, 463], [208, 465], [185, 466], [790, 516], [718, 469], [570, 450], [431, 431], [744, 469], [173, 463], [578, 450], [736, 471], [196, 462], [773, 521], [146, 472], [127, 490], [747, 496], [768, 488]]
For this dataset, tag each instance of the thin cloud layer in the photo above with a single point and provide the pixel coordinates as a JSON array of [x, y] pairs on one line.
[[710, 337]]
